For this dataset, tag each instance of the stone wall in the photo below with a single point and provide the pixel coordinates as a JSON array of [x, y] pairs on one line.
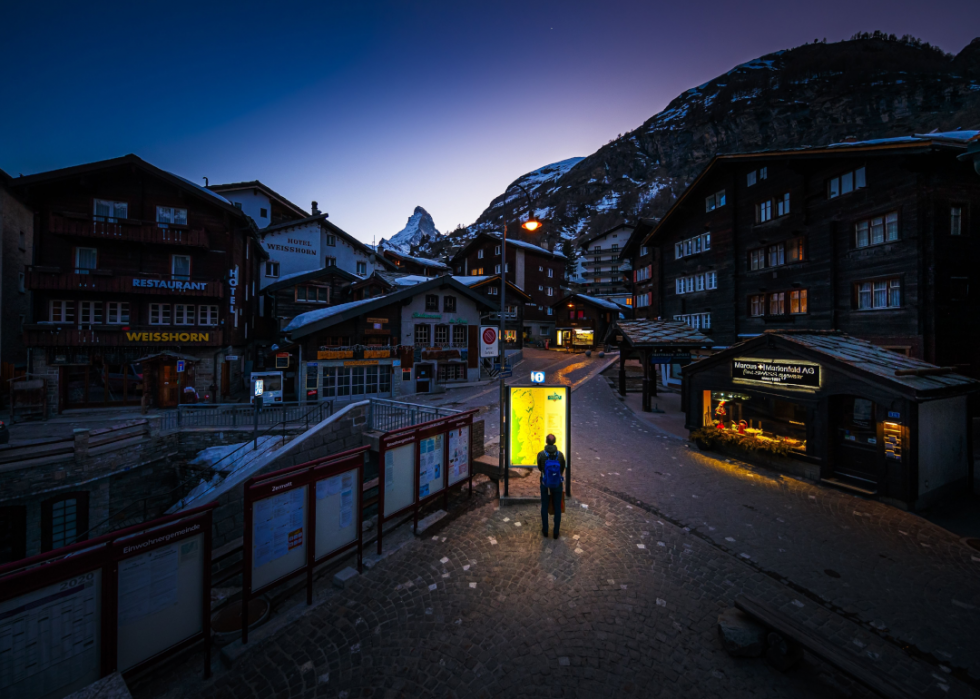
[[343, 430]]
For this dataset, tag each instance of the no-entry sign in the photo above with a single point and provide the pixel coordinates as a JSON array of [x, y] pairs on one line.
[[488, 341]]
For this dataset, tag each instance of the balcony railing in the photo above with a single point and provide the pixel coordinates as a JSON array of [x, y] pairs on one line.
[[128, 230], [53, 279], [65, 335]]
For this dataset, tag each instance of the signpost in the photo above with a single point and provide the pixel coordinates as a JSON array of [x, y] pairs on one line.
[[258, 388], [537, 377], [180, 366]]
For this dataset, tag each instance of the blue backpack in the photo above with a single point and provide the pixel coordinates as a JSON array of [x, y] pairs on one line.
[[552, 471]]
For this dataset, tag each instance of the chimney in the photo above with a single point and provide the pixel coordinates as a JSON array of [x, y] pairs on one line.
[[316, 211]]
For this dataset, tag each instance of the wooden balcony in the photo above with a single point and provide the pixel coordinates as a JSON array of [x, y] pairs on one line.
[[104, 281], [128, 230], [64, 335]]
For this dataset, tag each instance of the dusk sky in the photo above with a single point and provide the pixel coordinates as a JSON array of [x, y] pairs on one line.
[[372, 108]]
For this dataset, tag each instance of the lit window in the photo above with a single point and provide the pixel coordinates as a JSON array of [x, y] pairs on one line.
[[797, 301]]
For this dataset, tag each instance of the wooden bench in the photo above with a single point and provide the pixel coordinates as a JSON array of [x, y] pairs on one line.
[[854, 667]]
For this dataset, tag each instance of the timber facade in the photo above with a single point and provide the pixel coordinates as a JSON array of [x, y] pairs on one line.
[[874, 239]]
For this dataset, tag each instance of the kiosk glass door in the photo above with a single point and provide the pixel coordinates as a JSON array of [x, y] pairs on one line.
[[856, 441]]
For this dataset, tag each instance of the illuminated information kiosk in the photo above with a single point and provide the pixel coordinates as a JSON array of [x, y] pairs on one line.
[[533, 413]]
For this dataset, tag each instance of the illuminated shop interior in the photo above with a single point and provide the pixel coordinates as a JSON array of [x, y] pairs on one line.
[[758, 416]]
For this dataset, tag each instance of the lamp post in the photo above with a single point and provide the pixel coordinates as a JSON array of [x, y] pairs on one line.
[[531, 224]]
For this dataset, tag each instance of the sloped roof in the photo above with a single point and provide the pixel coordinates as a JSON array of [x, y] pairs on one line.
[[310, 322], [255, 184], [589, 237], [295, 278], [858, 357], [476, 281], [416, 260], [658, 333], [510, 241]]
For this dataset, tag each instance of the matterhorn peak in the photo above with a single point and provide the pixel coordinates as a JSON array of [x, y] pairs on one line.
[[419, 230]]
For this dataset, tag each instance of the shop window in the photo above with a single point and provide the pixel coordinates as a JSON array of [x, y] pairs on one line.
[[432, 302], [956, 220], [449, 304], [372, 379], [89, 313], [510, 336], [423, 334], [357, 380], [64, 520], [757, 305], [13, 534], [159, 314], [117, 312], [272, 269], [846, 183], [886, 293], [459, 336], [180, 267], [169, 214], [86, 259], [105, 210], [61, 311], [207, 315], [442, 335], [877, 230], [183, 314], [452, 372], [758, 417], [797, 301]]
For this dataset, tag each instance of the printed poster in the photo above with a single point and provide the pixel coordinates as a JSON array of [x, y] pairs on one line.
[[277, 525]]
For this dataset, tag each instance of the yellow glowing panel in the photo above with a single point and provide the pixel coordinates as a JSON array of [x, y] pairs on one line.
[[535, 412]]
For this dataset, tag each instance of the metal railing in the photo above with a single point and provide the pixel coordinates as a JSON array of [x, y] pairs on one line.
[[386, 415], [243, 415]]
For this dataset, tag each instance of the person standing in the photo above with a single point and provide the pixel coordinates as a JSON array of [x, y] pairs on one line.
[[551, 463]]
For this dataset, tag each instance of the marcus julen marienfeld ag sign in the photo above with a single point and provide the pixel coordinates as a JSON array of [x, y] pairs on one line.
[[776, 373]]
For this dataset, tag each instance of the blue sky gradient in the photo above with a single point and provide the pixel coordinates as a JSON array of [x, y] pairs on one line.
[[372, 108]]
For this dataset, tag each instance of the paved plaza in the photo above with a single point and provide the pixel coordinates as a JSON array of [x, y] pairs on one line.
[[658, 539]]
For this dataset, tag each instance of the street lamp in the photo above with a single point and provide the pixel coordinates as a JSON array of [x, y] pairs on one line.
[[530, 224]]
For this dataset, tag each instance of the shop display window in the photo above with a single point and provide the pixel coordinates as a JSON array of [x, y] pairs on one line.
[[758, 416]]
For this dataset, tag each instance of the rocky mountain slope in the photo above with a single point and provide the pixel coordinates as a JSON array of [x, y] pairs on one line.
[[419, 233], [868, 87]]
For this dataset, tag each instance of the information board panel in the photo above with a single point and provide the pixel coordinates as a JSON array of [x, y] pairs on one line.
[[459, 454], [278, 541], [535, 412], [399, 475], [432, 467], [160, 601], [51, 638], [337, 511]]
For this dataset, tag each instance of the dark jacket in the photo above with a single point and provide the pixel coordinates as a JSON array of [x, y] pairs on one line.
[[543, 456]]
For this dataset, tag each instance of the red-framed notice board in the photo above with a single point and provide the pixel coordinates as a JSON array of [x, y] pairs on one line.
[[396, 475], [287, 509], [61, 626]]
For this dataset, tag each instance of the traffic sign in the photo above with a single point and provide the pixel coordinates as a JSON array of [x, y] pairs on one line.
[[259, 387], [180, 365], [488, 341], [537, 377]]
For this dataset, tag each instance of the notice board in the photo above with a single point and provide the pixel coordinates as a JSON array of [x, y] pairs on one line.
[[35, 665], [337, 511], [159, 593], [459, 453], [534, 413], [278, 534], [399, 475], [432, 467]]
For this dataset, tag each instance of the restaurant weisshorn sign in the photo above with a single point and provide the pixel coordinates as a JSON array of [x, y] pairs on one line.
[[776, 372]]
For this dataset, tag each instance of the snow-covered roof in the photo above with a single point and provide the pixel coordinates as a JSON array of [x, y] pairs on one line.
[[418, 260], [411, 280], [956, 136], [323, 313], [611, 305], [202, 189], [471, 280]]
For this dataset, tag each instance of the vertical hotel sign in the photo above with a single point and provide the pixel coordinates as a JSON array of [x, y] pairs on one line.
[[232, 294]]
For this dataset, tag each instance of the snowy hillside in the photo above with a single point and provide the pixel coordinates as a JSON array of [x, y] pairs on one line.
[[420, 231]]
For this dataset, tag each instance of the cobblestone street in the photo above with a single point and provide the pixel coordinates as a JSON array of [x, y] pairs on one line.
[[657, 540]]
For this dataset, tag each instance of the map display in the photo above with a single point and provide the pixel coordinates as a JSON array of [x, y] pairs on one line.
[[535, 412], [430, 465], [459, 454], [50, 638]]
